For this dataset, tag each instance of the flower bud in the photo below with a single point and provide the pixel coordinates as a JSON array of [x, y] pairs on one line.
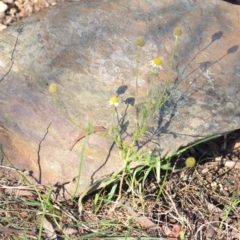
[[177, 32], [53, 88]]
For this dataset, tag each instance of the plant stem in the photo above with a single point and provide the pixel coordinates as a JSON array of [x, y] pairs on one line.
[[173, 52], [80, 166], [136, 90]]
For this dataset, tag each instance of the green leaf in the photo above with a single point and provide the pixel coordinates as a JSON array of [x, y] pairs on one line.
[[166, 166]]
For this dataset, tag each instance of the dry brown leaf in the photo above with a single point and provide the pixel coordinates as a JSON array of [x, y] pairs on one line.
[[70, 231], [228, 163], [235, 234], [210, 233], [175, 233], [145, 222], [49, 229], [166, 230], [26, 193], [210, 206], [142, 220]]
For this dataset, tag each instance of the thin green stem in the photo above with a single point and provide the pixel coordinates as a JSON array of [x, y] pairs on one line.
[[116, 131], [127, 162], [171, 59], [136, 90], [62, 112], [80, 166], [162, 185]]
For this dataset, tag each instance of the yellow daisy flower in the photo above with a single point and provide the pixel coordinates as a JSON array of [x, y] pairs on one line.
[[156, 63], [114, 101]]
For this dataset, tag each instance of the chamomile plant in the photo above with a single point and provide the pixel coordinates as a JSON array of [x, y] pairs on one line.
[[151, 106]]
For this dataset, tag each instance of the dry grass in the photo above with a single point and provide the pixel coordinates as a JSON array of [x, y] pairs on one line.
[[202, 202]]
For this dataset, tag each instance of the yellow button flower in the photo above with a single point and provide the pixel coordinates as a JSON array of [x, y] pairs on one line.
[[190, 162], [140, 42], [53, 88], [177, 32]]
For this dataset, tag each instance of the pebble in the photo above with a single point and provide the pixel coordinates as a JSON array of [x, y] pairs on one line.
[[2, 27], [3, 7], [8, 1], [2, 15]]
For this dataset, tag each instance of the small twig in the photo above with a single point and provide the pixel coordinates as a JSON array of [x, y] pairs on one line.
[[174, 206], [224, 142], [83, 133], [9, 230]]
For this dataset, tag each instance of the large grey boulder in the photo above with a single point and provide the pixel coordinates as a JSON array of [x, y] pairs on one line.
[[88, 48]]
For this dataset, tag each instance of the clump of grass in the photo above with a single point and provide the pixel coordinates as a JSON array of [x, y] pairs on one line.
[[155, 100], [234, 202], [150, 160]]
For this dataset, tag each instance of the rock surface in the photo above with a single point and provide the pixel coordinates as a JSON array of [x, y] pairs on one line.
[[88, 49]]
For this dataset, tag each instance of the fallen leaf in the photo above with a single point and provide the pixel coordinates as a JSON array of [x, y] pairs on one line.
[[142, 220], [210, 206], [48, 228], [175, 233], [210, 233], [229, 164]]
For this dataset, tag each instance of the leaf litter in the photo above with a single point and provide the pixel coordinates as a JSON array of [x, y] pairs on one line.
[[202, 202]]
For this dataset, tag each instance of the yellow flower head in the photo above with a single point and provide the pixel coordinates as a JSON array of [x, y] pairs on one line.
[[114, 101], [156, 63], [177, 32], [190, 162], [140, 42], [53, 88]]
